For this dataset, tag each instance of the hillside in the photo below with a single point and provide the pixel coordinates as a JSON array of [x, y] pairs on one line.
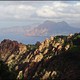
[[55, 58]]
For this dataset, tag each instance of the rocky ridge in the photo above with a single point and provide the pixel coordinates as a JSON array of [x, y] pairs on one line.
[[54, 58]]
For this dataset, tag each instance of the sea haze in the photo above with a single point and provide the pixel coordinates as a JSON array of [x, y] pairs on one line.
[[30, 34]]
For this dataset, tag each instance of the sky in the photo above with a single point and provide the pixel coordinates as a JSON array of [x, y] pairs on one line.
[[22, 13]]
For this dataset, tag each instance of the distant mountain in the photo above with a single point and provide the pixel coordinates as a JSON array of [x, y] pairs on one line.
[[48, 28], [18, 29]]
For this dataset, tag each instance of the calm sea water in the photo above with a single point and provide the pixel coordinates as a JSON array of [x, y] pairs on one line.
[[23, 39]]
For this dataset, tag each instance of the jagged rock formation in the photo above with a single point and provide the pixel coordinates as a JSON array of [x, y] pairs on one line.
[[54, 58]]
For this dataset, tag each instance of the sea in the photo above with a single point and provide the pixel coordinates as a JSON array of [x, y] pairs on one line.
[[23, 39]]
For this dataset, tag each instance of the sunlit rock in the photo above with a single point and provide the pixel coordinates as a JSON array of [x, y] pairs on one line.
[[67, 47], [46, 75], [53, 74], [46, 50], [51, 38], [40, 48], [11, 57], [36, 51], [70, 35], [56, 44], [20, 75], [42, 43], [62, 41], [22, 48], [9, 62], [59, 47], [46, 42], [38, 58], [16, 68], [53, 49]]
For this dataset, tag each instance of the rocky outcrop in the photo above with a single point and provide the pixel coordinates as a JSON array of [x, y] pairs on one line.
[[22, 48], [54, 58], [10, 48]]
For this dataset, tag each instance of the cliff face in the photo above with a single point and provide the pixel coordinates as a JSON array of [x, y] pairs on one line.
[[54, 58]]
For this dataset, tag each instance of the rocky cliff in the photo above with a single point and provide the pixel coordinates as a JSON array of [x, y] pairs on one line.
[[54, 58]]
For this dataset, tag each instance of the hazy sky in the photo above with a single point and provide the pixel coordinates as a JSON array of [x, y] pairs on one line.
[[22, 13]]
